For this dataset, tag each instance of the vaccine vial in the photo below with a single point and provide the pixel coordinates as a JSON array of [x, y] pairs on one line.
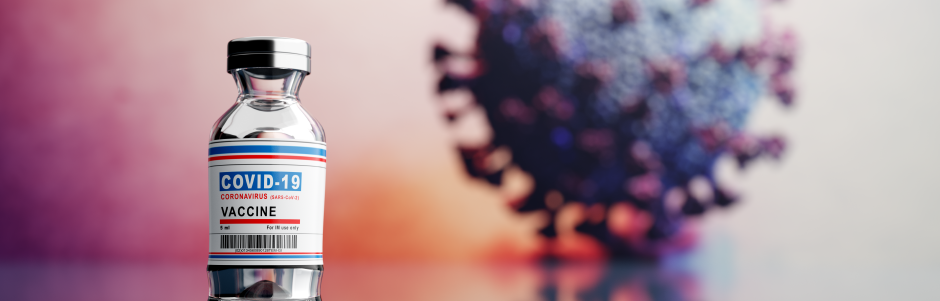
[[267, 167]]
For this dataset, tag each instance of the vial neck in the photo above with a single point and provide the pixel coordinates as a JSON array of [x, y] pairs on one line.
[[268, 83]]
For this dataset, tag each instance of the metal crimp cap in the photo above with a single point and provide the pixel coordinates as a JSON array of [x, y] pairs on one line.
[[268, 52]]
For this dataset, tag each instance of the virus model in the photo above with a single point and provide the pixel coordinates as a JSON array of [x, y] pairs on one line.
[[622, 107]]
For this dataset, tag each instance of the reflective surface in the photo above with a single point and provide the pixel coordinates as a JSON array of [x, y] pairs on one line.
[[509, 282]]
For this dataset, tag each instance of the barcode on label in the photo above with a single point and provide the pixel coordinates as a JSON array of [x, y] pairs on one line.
[[259, 241]]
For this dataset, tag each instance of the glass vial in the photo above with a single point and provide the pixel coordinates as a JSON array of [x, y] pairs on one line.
[[267, 167]]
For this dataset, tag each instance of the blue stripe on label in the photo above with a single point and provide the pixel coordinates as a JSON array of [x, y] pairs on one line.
[[238, 149], [264, 256]]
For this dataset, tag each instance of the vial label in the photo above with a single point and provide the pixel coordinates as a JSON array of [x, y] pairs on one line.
[[266, 202]]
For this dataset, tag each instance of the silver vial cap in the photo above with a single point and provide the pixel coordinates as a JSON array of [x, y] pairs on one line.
[[268, 52]]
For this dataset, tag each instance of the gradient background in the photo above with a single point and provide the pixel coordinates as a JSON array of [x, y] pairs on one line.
[[107, 105]]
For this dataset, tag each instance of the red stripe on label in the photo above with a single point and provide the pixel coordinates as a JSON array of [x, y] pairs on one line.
[[259, 221], [236, 253], [283, 157]]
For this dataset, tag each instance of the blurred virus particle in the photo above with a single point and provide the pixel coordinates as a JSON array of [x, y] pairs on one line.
[[617, 109]]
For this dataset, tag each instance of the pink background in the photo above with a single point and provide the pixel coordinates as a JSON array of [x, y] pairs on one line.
[[110, 107], [107, 105]]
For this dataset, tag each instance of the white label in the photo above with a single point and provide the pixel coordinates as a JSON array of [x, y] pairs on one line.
[[266, 202]]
